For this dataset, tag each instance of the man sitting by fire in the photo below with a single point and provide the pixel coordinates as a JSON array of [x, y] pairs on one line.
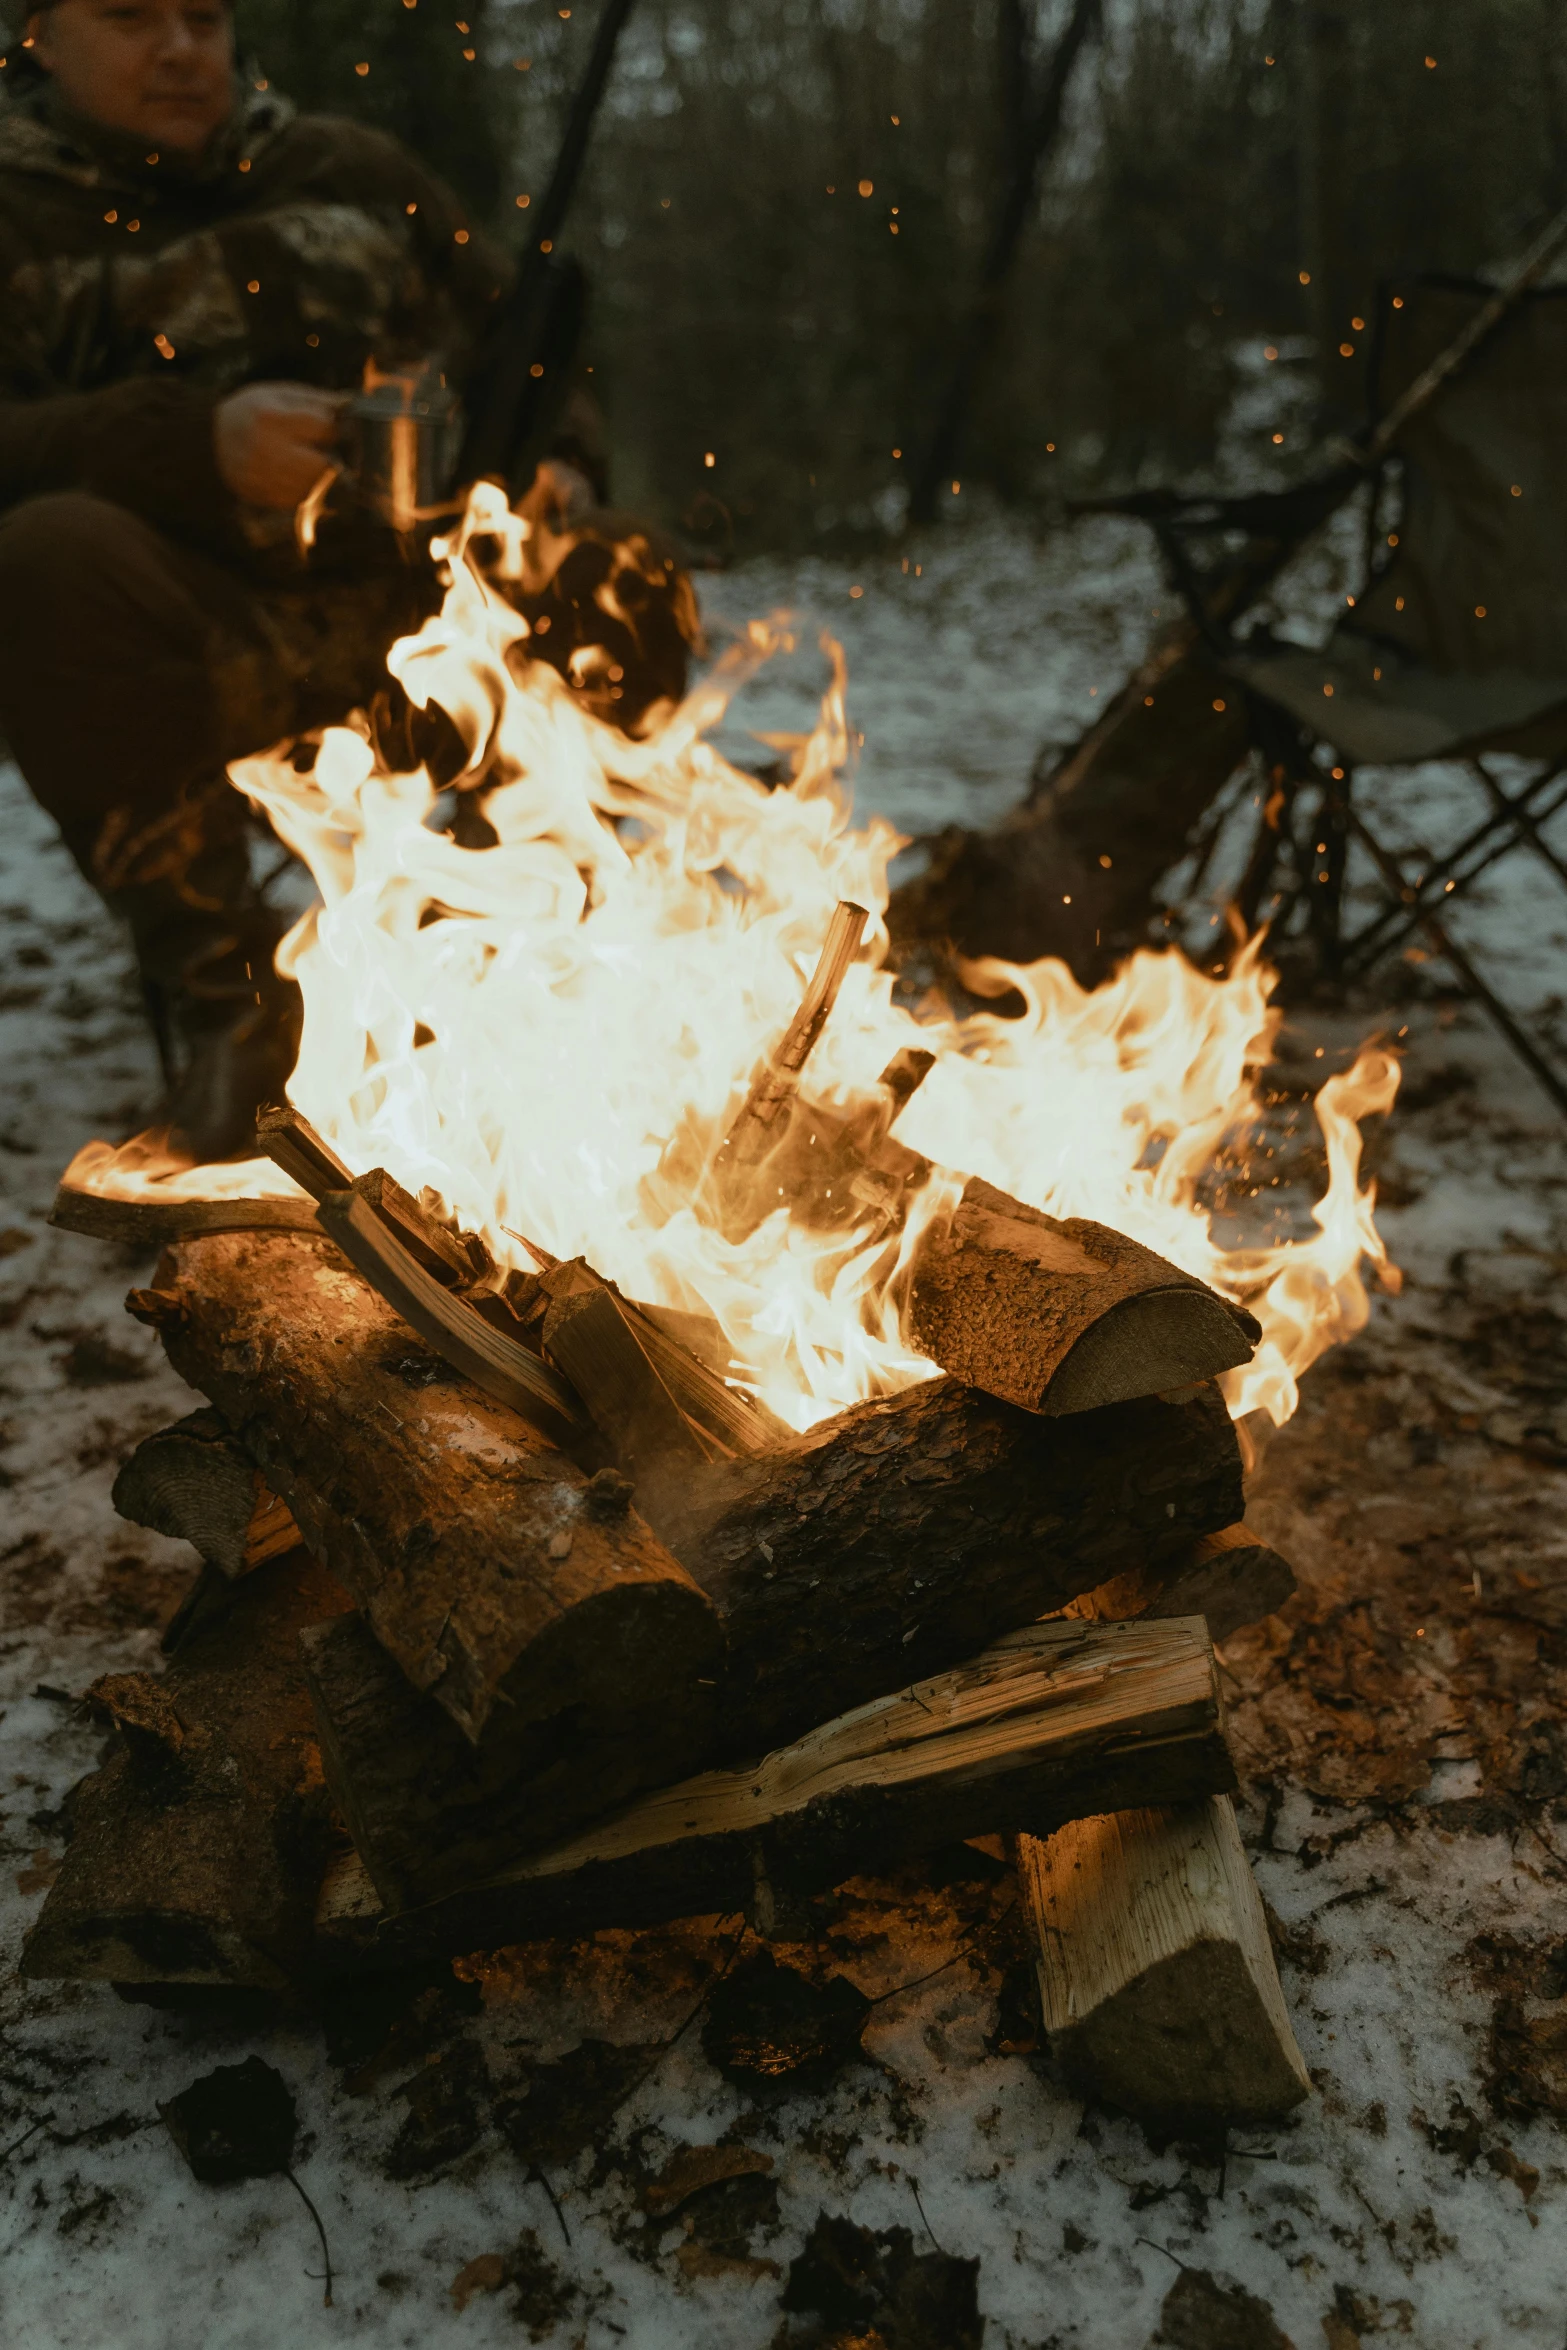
[[195, 280]]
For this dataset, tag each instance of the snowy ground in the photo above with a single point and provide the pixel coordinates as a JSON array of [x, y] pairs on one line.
[[1399, 1727]]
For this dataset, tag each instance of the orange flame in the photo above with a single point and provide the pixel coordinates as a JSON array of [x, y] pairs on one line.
[[524, 1028]]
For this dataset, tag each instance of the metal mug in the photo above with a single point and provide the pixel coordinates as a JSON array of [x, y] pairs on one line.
[[402, 436]]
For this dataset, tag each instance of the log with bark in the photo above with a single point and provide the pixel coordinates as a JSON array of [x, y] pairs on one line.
[[1050, 1721], [1157, 1981], [521, 1594], [196, 1851], [1230, 1579], [906, 1533], [1062, 1316], [196, 1483]]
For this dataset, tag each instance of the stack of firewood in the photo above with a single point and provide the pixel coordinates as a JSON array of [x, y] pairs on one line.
[[514, 1618]]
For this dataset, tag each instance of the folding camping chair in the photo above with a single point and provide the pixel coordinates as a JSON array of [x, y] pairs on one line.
[[1454, 649]]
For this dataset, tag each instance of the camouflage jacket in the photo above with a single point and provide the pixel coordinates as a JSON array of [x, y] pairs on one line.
[[139, 290]]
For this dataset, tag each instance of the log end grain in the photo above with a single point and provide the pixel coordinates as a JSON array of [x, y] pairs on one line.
[[195, 1483], [1063, 1316], [1157, 1981]]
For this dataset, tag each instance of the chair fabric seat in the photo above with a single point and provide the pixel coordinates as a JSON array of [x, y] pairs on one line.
[[1379, 710]]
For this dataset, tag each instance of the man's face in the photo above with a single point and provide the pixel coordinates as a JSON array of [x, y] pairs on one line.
[[162, 70]]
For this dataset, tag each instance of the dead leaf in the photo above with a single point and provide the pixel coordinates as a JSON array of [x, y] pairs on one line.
[[40, 1873], [699, 2166], [487, 2274], [700, 2260]]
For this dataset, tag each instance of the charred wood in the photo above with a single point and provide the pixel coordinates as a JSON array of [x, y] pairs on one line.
[[906, 1533], [1230, 1579], [429, 1812]]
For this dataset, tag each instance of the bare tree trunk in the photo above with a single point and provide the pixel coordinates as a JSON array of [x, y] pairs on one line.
[[1031, 135]]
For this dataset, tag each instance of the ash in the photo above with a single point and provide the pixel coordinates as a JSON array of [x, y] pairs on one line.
[[549, 2144]]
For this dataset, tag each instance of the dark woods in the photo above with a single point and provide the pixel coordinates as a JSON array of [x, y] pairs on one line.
[[787, 209]]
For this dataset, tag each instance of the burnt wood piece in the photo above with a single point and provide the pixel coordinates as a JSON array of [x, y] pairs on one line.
[[1157, 1980], [1063, 1316], [152, 1223], [906, 1533], [1044, 1724], [196, 1483], [197, 1849], [497, 1577], [1230, 1579], [428, 1812], [502, 1366]]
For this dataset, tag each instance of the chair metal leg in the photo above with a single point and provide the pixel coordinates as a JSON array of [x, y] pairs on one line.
[[1494, 838], [1527, 829], [1448, 948], [1330, 853]]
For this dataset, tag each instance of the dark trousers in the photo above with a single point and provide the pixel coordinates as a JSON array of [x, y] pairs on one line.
[[133, 668]]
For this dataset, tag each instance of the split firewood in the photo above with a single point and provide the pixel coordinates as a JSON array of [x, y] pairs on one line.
[[197, 1849], [1230, 1579], [1043, 1724], [1157, 1980], [429, 1812], [502, 1366], [903, 1534], [500, 1580], [292, 1143], [1063, 1316], [658, 1407], [196, 1483]]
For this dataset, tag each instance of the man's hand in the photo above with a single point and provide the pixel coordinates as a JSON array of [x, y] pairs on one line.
[[274, 441]]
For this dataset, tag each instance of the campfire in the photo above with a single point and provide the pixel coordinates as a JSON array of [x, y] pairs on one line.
[[687, 1421]]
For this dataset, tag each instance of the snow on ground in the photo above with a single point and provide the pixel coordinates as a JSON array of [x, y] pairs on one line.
[[1422, 2190]]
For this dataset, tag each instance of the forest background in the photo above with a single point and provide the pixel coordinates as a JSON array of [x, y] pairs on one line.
[[787, 202]]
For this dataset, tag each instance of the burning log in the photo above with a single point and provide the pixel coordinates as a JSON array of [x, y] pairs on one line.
[[196, 1483], [496, 1576], [1230, 1579], [1062, 1317], [1044, 1723], [906, 1533], [1158, 1984], [197, 1849]]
